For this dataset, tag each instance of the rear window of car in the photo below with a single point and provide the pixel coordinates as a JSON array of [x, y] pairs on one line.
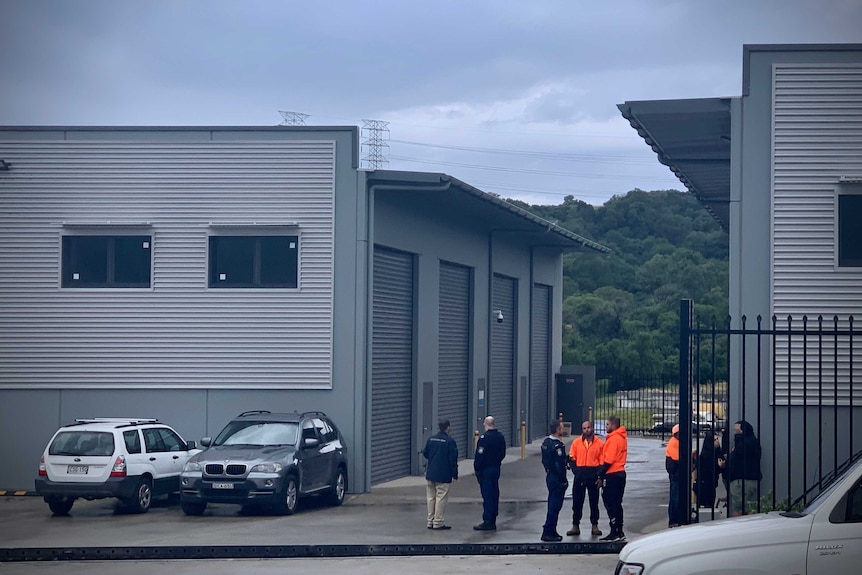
[[258, 433], [90, 443]]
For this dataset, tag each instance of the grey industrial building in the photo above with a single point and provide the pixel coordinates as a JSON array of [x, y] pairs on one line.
[[191, 273]]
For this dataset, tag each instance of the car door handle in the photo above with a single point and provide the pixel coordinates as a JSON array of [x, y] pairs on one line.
[[152, 458], [176, 456]]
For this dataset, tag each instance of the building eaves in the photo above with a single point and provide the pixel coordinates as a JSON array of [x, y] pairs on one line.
[[420, 180]]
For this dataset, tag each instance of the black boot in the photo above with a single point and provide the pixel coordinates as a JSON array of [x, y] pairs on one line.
[[485, 526]]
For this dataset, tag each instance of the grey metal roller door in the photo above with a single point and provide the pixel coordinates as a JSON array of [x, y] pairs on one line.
[[540, 362], [454, 352], [502, 386], [391, 366]]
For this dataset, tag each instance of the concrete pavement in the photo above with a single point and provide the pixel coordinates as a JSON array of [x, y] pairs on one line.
[[392, 514]]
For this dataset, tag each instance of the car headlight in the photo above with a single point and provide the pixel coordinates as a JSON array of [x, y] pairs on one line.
[[267, 468], [192, 466], [629, 569]]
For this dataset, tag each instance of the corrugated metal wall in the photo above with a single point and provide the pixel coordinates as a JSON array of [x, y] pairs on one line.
[[502, 384], [454, 352], [392, 365], [179, 333], [817, 139], [540, 361]]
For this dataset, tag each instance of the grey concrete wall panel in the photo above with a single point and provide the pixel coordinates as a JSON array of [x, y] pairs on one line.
[[392, 366], [174, 334], [28, 419], [454, 352], [540, 361], [501, 394]]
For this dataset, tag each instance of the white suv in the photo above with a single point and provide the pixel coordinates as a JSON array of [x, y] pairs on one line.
[[127, 458]]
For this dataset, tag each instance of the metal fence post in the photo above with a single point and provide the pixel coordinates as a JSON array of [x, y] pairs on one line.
[[685, 318]]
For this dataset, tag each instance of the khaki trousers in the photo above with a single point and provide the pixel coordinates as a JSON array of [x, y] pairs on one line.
[[436, 494]]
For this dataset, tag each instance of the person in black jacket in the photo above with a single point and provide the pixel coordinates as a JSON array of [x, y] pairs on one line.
[[490, 451], [554, 461], [743, 470], [441, 451], [708, 470]]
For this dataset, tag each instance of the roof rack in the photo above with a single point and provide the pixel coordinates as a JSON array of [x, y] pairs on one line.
[[254, 412], [306, 413], [126, 420]]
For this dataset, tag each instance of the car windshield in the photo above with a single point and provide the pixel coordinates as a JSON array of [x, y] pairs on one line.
[[258, 433], [79, 442]]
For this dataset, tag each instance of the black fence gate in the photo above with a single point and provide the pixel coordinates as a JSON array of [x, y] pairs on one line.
[[796, 381]]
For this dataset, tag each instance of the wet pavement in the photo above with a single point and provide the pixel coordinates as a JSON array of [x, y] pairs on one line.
[[392, 514]]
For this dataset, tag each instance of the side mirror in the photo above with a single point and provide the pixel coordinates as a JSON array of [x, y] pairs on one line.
[[309, 442], [191, 445], [206, 441]]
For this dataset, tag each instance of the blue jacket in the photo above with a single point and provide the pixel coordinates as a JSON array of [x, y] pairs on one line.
[[490, 451], [442, 455]]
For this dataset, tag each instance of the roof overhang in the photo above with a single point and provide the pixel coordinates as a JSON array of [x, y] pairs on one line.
[[481, 209], [692, 138]]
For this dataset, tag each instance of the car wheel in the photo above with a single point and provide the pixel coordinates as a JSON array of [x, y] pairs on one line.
[[60, 505], [142, 498], [338, 489], [193, 507], [289, 497]]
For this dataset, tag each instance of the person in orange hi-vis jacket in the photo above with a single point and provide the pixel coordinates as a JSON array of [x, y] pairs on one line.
[[612, 476], [585, 457]]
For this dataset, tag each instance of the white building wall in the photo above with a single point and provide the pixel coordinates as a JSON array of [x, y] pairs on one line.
[[179, 333]]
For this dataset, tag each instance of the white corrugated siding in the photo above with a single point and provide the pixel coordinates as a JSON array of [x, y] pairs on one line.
[[817, 139], [179, 333]]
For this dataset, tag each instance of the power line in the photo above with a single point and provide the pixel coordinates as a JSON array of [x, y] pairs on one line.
[[522, 170], [629, 160]]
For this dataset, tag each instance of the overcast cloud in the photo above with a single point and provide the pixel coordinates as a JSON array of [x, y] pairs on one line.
[[514, 97]]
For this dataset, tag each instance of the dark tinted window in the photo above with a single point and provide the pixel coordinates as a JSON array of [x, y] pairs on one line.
[[106, 261], [89, 443], [253, 261], [133, 441], [154, 442], [850, 230]]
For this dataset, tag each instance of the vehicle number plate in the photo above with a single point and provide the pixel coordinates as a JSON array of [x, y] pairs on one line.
[[222, 485], [78, 469]]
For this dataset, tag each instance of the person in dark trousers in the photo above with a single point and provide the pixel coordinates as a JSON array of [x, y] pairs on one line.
[[442, 469], [675, 478], [612, 476], [490, 452], [554, 462], [585, 456], [743, 470], [708, 470]]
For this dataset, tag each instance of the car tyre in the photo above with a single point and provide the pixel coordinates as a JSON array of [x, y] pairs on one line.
[[339, 488], [60, 505], [289, 497], [143, 497], [193, 507]]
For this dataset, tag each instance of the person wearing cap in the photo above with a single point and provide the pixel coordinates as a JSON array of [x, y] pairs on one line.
[[673, 468]]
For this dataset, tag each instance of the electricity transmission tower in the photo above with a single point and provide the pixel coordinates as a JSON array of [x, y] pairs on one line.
[[375, 134], [293, 118]]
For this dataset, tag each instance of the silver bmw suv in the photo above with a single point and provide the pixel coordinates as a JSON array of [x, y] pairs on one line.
[[268, 460]]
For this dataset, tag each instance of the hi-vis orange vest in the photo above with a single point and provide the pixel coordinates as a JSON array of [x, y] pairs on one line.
[[616, 450], [586, 454]]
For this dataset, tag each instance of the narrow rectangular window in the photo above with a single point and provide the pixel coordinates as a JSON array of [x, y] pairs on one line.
[[850, 230], [253, 261], [105, 261]]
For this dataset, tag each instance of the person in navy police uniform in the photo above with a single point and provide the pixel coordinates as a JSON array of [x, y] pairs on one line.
[[490, 451], [554, 461]]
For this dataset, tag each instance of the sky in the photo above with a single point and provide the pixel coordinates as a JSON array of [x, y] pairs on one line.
[[516, 98]]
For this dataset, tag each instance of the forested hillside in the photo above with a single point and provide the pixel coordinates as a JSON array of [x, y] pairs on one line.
[[621, 310]]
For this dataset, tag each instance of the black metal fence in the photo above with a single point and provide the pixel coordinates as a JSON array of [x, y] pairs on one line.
[[797, 381]]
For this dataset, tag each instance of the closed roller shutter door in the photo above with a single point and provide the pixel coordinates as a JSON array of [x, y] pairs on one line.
[[501, 391], [540, 367], [391, 366], [454, 351]]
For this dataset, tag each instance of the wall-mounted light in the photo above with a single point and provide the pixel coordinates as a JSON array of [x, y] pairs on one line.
[[4, 166]]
